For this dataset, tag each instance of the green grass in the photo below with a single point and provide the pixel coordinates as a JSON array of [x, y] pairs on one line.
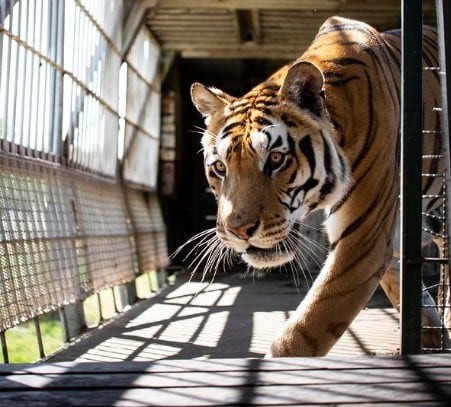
[[22, 340]]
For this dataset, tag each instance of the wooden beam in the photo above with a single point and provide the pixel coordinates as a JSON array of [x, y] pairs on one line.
[[236, 52], [332, 5], [248, 4], [277, 4]]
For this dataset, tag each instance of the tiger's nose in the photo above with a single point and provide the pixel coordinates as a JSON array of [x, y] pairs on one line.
[[244, 232]]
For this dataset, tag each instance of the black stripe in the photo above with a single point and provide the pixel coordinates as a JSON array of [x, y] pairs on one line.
[[346, 61], [293, 176], [370, 241], [294, 192], [227, 129], [287, 164], [277, 142], [292, 147], [307, 149], [263, 109], [263, 121], [342, 166], [327, 157], [355, 224], [382, 201], [329, 183], [369, 135], [266, 102], [337, 206], [341, 82]]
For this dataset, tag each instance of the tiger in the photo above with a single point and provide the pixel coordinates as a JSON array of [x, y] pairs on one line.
[[321, 133]]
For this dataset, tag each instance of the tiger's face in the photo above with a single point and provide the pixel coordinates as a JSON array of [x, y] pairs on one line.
[[270, 159]]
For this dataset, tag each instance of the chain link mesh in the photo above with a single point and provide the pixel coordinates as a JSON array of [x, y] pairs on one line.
[[64, 235], [150, 230]]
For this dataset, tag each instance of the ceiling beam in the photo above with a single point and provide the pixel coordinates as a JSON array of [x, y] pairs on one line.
[[309, 5], [278, 4], [243, 51], [248, 4]]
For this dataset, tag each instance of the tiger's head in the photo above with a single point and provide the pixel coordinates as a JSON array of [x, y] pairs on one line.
[[270, 159]]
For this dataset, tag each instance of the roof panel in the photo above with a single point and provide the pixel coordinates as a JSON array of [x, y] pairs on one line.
[[264, 29]]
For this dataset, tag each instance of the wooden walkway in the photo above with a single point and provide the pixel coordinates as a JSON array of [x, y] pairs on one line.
[[234, 317], [418, 380], [199, 344]]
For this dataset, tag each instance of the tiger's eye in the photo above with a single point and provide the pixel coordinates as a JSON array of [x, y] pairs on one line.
[[219, 167], [275, 159]]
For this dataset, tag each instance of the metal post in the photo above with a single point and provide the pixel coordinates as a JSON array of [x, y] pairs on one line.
[[411, 150], [443, 9], [64, 325], [444, 37], [37, 328], [4, 347]]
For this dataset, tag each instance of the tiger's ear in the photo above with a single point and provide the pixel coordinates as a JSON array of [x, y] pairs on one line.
[[209, 101], [303, 85]]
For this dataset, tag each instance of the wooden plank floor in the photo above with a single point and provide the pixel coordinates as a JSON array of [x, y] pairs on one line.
[[200, 344], [234, 317], [423, 380]]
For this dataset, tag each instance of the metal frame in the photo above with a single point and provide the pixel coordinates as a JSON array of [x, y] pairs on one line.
[[411, 164], [412, 260]]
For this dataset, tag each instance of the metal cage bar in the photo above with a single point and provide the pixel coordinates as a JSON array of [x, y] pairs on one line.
[[443, 10], [411, 159]]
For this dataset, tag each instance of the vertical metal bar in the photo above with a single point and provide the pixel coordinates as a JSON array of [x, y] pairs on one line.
[[64, 324], [22, 71], [6, 135], [28, 80], [56, 147], [78, 66], [4, 347], [48, 79], [115, 300], [411, 149], [443, 10], [37, 122], [31, 128], [444, 37], [39, 337], [16, 18], [99, 304], [2, 84]]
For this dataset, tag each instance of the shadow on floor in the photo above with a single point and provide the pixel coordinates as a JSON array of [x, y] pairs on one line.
[[233, 317]]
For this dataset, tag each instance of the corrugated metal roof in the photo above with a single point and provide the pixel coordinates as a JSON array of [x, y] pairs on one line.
[[259, 28]]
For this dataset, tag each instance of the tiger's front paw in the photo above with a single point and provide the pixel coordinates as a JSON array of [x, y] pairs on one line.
[[284, 346], [295, 340]]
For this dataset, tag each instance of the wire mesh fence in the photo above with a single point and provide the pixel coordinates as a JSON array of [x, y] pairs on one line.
[[65, 235], [38, 242], [436, 199]]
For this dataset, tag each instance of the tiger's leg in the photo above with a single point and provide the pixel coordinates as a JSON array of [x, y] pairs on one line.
[[360, 232], [325, 313], [444, 289], [391, 284], [430, 338]]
